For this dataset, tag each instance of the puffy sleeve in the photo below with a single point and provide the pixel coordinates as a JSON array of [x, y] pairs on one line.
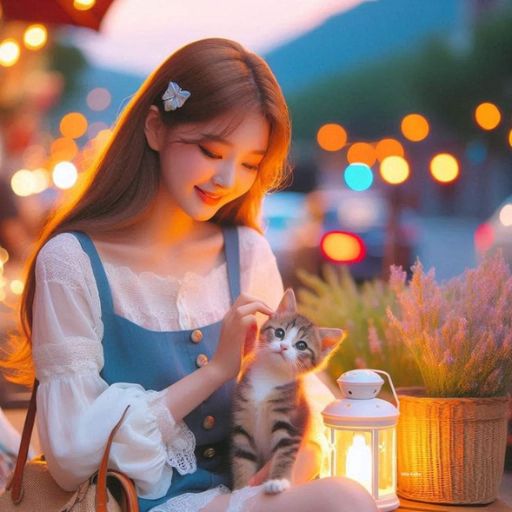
[[261, 278], [76, 408]]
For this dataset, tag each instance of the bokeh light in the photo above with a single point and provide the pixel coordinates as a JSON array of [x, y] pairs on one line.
[[331, 137], [510, 138], [95, 128], [358, 177], [64, 175], [361, 152], [99, 99], [63, 148], [444, 168], [506, 215], [41, 180], [484, 237], [22, 183], [16, 286], [342, 247], [73, 125], [4, 256], [9, 52], [35, 36], [394, 170], [476, 152], [83, 5], [487, 116], [415, 127], [388, 147]]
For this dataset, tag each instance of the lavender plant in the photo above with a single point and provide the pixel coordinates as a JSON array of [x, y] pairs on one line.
[[460, 331], [335, 300]]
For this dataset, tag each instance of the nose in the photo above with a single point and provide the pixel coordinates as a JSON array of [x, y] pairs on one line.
[[283, 347], [225, 175]]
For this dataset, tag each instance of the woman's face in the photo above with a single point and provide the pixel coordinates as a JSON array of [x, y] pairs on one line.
[[201, 172]]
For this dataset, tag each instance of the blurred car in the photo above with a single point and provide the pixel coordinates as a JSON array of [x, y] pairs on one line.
[[338, 226], [496, 232]]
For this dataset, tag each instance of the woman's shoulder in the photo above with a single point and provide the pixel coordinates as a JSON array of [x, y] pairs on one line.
[[250, 238], [62, 251], [61, 245]]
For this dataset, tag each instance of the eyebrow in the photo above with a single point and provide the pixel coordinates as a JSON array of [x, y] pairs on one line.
[[218, 138]]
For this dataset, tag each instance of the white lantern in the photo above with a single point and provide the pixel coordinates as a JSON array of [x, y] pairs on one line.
[[363, 435]]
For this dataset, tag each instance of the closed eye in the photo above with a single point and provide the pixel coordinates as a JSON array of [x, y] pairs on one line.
[[209, 154]]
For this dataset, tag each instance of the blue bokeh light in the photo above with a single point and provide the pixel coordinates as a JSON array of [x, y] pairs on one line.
[[358, 177]]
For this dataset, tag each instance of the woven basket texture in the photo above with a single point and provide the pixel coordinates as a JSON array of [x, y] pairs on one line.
[[451, 450], [42, 494]]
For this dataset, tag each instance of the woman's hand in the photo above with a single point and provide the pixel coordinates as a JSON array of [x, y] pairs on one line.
[[237, 335]]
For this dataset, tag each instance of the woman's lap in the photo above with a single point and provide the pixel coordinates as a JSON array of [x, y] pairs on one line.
[[326, 494]]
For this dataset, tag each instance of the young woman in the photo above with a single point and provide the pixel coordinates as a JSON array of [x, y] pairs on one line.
[[147, 289]]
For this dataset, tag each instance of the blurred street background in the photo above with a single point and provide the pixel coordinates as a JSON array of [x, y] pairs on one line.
[[401, 113]]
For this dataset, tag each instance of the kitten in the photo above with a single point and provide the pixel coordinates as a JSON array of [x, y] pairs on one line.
[[270, 413]]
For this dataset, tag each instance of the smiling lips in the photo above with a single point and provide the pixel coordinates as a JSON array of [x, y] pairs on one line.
[[207, 197]]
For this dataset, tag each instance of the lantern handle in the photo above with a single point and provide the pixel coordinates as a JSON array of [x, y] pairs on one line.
[[391, 385]]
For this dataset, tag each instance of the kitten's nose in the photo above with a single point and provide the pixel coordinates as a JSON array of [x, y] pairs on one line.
[[283, 347]]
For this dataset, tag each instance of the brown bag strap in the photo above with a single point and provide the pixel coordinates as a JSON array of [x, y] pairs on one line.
[[101, 483]]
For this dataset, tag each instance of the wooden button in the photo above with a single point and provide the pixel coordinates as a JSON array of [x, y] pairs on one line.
[[208, 422], [196, 336], [209, 453], [201, 360]]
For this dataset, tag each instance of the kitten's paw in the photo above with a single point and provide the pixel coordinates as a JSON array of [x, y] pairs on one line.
[[276, 486]]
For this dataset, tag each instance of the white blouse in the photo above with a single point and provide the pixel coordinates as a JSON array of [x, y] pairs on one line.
[[76, 408]]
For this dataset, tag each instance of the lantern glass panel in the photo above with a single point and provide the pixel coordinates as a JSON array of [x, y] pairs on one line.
[[387, 461], [353, 456]]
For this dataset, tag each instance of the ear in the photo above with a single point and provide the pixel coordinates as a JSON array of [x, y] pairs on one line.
[[331, 339], [153, 128], [288, 303]]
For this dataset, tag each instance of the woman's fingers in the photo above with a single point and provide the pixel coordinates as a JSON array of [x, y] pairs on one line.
[[254, 307]]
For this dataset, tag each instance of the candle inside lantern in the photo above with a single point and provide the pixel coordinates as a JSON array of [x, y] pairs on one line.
[[358, 465]]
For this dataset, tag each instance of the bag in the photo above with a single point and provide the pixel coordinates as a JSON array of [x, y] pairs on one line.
[[32, 488]]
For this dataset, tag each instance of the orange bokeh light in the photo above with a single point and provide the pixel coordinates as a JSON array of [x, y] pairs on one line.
[[63, 148], [361, 152], [331, 137], [342, 247], [415, 127], [444, 168], [388, 147], [73, 125], [487, 116]]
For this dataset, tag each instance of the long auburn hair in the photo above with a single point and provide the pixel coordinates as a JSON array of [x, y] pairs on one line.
[[223, 77]]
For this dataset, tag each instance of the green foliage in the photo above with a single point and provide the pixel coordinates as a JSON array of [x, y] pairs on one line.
[[69, 61], [442, 80], [337, 301]]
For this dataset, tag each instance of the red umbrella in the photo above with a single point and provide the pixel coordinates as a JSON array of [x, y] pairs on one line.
[[59, 12]]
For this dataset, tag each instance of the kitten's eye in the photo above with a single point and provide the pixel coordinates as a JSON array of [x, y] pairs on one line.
[[301, 345], [279, 333]]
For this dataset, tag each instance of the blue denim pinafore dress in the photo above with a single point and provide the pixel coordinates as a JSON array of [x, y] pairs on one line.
[[157, 359]]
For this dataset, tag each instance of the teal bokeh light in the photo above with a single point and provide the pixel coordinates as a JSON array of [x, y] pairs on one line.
[[358, 177]]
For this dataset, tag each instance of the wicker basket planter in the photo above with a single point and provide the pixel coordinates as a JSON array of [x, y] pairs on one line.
[[451, 450]]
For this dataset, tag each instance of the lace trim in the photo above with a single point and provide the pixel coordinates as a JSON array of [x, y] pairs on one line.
[[177, 437], [191, 502], [180, 449], [77, 355]]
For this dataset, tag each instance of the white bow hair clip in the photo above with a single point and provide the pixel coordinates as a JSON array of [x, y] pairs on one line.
[[174, 97]]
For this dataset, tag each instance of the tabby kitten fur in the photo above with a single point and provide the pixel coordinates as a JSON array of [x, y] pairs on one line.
[[270, 415]]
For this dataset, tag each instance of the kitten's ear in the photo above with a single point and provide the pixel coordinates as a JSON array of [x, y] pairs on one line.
[[331, 338], [288, 303]]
